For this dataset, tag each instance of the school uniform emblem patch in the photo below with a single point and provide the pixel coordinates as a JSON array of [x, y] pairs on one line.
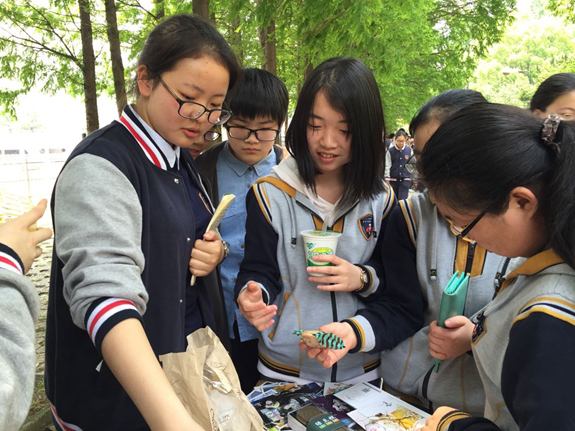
[[366, 226], [480, 328]]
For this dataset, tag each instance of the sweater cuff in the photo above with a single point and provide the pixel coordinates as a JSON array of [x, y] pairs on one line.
[[363, 332], [104, 314], [10, 260], [372, 281], [451, 417]]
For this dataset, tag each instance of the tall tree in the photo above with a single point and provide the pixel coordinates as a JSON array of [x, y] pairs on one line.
[[201, 8], [88, 67], [42, 46], [535, 47], [115, 55]]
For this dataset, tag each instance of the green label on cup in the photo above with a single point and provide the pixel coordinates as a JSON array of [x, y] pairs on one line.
[[316, 252]]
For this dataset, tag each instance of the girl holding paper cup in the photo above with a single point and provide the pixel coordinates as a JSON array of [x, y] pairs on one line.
[[335, 179], [130, 214]]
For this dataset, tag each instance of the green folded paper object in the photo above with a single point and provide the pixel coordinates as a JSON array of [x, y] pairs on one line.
[[452, 302]]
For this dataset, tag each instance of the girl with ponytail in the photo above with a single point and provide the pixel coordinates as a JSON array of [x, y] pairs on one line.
[[503, 176]]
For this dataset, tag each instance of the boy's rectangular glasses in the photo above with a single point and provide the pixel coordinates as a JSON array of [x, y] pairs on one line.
[[193, 110], [240, 132]]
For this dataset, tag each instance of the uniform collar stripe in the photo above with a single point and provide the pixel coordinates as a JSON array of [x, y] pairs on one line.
[[534, 265], [150, 149]]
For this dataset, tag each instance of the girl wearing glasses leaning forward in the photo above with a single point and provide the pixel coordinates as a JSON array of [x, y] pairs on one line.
[[129, 215], [521, 180]]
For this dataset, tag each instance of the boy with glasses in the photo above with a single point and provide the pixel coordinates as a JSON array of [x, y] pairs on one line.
[[259, 105]]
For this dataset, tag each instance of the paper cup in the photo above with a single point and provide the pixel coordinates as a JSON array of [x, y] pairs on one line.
[[317, 242]]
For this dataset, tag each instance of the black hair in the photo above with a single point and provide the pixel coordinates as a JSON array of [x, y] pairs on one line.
[[443, 106], [350, 88], [391, 135], [550, 89], [401, 132], [185, 36], [259, 94], [475, 159]]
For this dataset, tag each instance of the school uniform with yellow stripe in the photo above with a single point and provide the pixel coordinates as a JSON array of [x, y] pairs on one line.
[[420, 255], [524, 348], [274, 258]]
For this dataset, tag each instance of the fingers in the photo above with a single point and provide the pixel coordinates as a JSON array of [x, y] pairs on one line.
[[41, 235], [35, 214], [331, 258], [254, 309], [212, 235], [456, 322]]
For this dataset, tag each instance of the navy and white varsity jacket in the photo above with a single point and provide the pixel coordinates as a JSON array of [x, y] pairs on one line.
[[124, 231], [399, 159]]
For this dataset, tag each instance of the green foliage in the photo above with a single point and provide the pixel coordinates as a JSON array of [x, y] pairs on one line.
[[416, 48], [536, 47], [564, 8]]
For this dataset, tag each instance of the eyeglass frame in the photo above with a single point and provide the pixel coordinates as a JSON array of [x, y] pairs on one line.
[[183, 102], [216, 133], [254, 131], [462, 234]]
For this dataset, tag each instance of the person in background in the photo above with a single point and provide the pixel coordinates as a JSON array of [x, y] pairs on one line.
[[513, 193], [555, 95], [334, 179], [130, 214], [259, 103], [399, 155], [203, 143], [389, 140], [19, 309]]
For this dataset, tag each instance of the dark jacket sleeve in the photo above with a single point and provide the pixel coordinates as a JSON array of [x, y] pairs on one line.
[[260, 262], [396, 310], [376, 261], [538, 376]]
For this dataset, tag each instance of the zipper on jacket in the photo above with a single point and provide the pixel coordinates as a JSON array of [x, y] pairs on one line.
[[500, 276], [334, 314], [470, 256], [425, 386]]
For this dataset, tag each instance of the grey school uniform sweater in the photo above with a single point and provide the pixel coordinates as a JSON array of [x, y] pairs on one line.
[[274, 257], [19, 309], [423, 237], [524, 347]]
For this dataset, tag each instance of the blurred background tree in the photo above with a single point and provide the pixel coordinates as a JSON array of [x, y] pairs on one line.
[[416, 48]]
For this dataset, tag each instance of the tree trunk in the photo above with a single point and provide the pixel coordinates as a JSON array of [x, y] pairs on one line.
[[235, 39], [88, 68], [160, 10], [201, 8], [116, 55], [268, 44]]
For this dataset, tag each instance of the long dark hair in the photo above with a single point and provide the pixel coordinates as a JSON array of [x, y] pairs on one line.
[[476, 158], [550, 89], [443, 106], [185, 36], [350, 88]]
